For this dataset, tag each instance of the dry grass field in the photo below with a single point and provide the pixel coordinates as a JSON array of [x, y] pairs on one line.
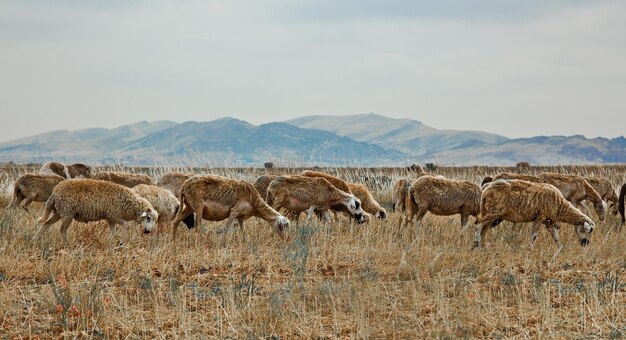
[[338, 281]]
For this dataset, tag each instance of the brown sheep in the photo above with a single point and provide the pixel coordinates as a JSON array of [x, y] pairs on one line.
[[77, 170], [522, 201], [33, 188], [300, 193], [444, 197], [367, 200], [173, 181], [605, 190], [522, 177], [88, 200], [216, 198], [576, 189], [417, 169], [123, 178], [336, 181]]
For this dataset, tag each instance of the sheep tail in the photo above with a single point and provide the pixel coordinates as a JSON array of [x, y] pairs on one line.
[[49, 208]]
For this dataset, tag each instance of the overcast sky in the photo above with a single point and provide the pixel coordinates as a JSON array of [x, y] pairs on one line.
[[517, 68]]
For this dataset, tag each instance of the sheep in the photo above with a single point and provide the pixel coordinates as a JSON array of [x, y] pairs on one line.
[[87, 200], [268, 165], [522, 165], [123, 178], [510, 175], [33, 188], [521, 201], [367, 200], [620, 204], [300, 193], [417, 169], [335, 181], [576, 189], [605, 189], [444, 197], [164, 202], [261, 184], [216, 198], [77, 170], [173, 181]]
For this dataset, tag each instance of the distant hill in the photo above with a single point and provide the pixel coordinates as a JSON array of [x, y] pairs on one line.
[[538, 150], [409, 136], [223, 141], [79, 144], [244, 143]]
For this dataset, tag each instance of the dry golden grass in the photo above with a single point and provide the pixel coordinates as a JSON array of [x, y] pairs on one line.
[[372, 280]]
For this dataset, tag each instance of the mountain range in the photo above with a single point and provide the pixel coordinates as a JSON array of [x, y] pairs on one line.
[[356, 140]]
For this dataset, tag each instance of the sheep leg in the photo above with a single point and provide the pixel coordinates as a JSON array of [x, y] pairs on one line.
[[199, 214], [583, 208], [52, 220], [420, 214], [554, 232], [309, 213], [28, 201], [231, 218], [464, 221], [182, 214], [535, 232], [65, 223], [327, 216], [479, 234]]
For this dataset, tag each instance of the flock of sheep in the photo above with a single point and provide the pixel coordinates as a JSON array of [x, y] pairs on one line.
[[72, 192]]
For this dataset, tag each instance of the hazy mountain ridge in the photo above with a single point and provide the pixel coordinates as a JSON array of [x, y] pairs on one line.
[[409, 136], [367, 139]]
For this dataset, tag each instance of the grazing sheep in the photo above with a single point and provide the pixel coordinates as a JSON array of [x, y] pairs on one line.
[[268, 165], [123, 178], [300, 193], [417, 169], [336, 181], [620, 204], [261, 185], [77, 170], [216, 198], [442, 196], [576, 189], [367, 200], [164, 202], [173, 181], [522, 201], [605, 190], [33, 188], [509, 176], [87, 200]]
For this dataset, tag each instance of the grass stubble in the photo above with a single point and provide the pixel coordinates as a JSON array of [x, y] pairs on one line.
[[327, 281]]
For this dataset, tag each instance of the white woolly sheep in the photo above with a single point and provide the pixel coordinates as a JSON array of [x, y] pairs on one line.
[[87, 200]]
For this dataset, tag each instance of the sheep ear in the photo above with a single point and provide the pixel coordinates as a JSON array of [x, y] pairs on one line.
[[143, 214]]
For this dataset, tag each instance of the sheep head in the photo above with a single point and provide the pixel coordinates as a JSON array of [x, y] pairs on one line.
[[584, 231], [382, 214], [355, 208], [601, 209], [148, 219]]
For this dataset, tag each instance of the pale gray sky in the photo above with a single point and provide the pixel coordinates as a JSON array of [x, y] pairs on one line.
[[517, 68]]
